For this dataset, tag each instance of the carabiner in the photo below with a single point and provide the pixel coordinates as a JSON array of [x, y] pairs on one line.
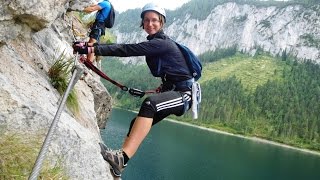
[[136, 92], [124, 88]]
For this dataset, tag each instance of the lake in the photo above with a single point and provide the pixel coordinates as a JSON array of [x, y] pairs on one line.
[[175, 151]]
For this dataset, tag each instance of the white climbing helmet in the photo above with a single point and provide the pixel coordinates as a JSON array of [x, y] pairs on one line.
[[153, 7]]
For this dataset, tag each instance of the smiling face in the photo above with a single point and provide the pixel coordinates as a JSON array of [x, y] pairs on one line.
[[152, 22]]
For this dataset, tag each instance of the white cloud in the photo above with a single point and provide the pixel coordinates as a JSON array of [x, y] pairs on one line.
[[122, 5]]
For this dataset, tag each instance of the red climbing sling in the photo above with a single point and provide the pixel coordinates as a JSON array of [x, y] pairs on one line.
[[104, 76], [133, 91]]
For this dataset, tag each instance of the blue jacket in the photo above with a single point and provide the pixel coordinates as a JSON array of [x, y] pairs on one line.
[[163, 56]]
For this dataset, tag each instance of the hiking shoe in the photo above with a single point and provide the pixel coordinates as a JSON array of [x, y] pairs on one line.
[[114, 158]]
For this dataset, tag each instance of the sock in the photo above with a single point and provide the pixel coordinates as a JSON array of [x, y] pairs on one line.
[[125, 157]]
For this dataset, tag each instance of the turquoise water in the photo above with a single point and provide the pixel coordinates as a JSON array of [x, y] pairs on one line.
[[173, 151]]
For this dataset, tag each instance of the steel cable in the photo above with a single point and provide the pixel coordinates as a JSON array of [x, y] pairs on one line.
[[77, 72]]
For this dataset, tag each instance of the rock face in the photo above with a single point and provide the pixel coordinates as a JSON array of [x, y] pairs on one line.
[[32, 35]]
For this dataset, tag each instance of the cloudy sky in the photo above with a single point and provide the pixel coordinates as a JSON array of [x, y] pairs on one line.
[[122, 5]]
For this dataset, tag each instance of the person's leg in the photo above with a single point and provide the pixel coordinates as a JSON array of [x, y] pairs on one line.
[[90, 56], [153, 110], [118, 159], [139, 131], [94, 37]]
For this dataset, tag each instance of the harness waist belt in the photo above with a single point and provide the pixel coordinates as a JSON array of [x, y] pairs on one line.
[[178, 86], [186, 83]]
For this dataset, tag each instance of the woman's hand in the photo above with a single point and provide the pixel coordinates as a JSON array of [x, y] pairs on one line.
[[82, 47]]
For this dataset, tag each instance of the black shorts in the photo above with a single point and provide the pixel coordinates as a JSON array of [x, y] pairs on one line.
[[161, 105], [97, 30]]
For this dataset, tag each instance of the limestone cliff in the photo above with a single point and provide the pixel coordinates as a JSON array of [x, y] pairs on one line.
[[32, 35], [293, 28]]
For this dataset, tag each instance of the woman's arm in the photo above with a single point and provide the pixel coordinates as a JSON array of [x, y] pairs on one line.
[[148, 48], [91, 8]]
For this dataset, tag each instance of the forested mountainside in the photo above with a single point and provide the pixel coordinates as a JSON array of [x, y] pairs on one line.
[[205, 25]]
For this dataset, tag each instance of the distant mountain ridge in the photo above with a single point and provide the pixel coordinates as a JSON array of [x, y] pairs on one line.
[[294, 29]]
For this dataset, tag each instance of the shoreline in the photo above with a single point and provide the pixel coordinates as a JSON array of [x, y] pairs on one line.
[[256, 139]]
